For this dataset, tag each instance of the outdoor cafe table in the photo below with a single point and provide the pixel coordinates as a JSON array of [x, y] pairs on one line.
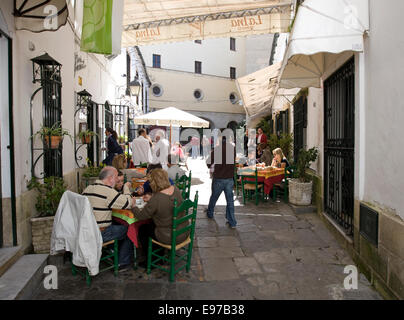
[[268, 175], [127, 218]]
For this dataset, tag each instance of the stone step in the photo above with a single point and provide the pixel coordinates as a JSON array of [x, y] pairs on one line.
[[8, 256], [303, 209], [23, 278]]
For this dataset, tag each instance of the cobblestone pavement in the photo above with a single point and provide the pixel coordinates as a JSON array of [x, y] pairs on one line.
[[272, 254]]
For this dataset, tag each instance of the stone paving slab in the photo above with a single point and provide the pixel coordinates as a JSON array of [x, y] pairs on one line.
[[218, 269], [272, 254]]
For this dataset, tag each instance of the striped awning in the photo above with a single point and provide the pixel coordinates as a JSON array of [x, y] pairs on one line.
[[150, 22]]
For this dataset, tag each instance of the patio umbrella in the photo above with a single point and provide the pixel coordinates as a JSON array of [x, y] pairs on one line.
[[171, 117]]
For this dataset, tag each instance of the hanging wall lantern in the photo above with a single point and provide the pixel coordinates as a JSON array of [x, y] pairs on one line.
[[83, 99], [45, 68]]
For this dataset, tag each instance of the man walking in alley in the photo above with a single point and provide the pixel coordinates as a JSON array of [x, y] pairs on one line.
[[141, 152], [222, 157]]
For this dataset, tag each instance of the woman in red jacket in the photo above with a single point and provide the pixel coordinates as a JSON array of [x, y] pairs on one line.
[[261, 137]]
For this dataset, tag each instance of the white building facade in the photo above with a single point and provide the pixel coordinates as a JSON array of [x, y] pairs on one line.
[[360, 196], [198, 76], [99, 75]]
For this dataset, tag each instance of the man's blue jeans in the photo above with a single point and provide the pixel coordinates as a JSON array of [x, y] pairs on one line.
[[125, 250], [226, 185]]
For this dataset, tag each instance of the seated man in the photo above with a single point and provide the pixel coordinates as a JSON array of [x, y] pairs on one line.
[[120, 186], [266, 154], [103, 197], [174, 169]]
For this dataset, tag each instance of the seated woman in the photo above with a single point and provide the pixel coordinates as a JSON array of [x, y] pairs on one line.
[[160, 209], [146, 188], [279, 160], [266, 155]]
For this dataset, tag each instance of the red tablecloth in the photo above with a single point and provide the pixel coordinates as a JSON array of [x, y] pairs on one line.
[[268, 182], [126, 218]]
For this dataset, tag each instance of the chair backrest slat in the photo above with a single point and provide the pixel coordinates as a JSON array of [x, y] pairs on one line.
[[186, 205]]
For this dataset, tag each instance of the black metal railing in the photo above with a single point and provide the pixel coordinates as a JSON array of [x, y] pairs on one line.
[[299, 126], [51, 94], [339, 143]]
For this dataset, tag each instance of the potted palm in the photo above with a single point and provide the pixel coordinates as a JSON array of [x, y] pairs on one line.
[[301, 187], [85, 136], [49, 194], [52, 136]]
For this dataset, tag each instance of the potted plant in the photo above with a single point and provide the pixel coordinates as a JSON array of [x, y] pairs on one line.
[[300, 188], [48, 197], [55, 134], [91, 173], [85, 136]]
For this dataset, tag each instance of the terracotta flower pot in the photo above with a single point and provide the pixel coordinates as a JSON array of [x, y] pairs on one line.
[[54, 141], [86, 139]]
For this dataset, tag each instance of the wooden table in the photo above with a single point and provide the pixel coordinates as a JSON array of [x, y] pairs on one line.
[[268, 175]]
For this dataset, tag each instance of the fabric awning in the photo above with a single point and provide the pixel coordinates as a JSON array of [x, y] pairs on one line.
[[257, 90], [158, 21], [322, 30], [283, 99], [40, 15], [171, 117]]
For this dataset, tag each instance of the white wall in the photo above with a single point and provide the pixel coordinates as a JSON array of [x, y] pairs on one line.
[[281, 47], [258, 52], [315, 126], [384, 131], [101, 78], [215, 55], [178, 88]]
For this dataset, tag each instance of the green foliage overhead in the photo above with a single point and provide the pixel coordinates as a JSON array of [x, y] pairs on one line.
[[285, 142], [49, 194]]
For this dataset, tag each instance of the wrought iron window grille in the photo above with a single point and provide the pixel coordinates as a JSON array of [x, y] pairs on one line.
[[47, 72]]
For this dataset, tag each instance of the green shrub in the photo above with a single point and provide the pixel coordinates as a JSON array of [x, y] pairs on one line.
[[49, 194], [306, 157]]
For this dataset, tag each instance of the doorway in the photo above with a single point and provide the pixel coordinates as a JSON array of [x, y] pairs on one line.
[[339, 145]]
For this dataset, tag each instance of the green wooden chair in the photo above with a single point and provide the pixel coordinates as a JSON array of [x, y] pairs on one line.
[[282, 188], [184, 184], [177, 253], [237, 181], [109, 258], [252, 189]]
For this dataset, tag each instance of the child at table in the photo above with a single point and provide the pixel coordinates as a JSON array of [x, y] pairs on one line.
[[279, 160]]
